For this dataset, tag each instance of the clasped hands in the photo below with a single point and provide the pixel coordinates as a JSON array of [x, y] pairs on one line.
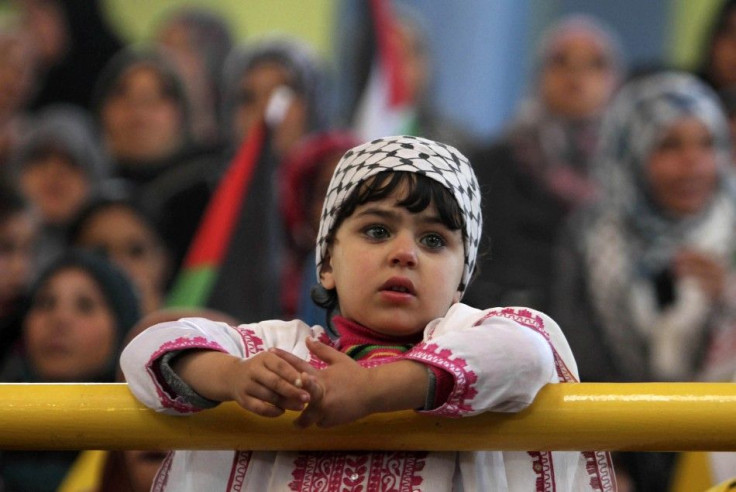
[[275, 380]]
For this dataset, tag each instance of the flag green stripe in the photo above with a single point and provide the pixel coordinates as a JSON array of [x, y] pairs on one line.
[[192, 287]]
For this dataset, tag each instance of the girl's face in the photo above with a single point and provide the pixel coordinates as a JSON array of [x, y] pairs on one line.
[[578, 79], [131, 244], [56, 186], [70, 330], [17, 235], [682, 169], [394, 271], [141, 121]]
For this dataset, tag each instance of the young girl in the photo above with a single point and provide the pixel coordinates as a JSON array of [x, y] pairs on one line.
[[396, 249]]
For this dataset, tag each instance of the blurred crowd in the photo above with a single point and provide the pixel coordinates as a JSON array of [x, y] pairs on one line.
[[609, 198]]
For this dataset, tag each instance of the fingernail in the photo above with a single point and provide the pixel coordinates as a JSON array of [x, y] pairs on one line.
[[298, 383]]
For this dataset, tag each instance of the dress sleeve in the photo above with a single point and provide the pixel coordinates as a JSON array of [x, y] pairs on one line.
[[496, 358], [141, 358]]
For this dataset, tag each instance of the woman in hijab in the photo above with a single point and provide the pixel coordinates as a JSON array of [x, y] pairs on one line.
[[58, 167], [642, 277], [144, 115], [80, 309], [538, 171]]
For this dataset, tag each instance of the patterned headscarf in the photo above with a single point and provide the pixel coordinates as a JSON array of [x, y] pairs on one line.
[[627, 240], [434, 160], [633, 127]]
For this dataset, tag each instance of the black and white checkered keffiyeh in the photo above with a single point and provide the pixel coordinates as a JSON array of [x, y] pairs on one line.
[[437, 161]]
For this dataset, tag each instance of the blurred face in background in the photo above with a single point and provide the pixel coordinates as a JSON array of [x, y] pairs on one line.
[[723, 54], [578, 78], [257, 87], [17, 236], [56, 186], [16, 72], [682, 171], [141, 119], [126, 239], [69, 331]]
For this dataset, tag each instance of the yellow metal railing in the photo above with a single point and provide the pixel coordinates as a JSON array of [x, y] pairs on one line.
[[623, 416]]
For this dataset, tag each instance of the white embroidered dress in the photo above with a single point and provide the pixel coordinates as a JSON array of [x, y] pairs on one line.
[[498, 358]]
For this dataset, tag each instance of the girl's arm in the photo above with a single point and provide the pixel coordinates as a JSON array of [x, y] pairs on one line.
[[497, 360], [211, 358]]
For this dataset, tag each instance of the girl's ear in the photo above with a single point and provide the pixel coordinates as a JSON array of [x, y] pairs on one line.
[[326, 278]]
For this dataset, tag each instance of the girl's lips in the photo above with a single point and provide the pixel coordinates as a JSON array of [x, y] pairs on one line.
[[399, 285]]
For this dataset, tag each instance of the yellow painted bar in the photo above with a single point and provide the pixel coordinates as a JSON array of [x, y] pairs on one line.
[[623, 416]]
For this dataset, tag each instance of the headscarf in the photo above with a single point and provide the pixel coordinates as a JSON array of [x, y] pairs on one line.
[[309, 76], [118, 291], [65, 129], [435, 160], [133, 57], [642, 111], [627, 241], [558, 150]]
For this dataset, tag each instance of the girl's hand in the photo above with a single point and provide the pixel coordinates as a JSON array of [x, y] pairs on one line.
[[265, 384], [339, 393], [345, 391]]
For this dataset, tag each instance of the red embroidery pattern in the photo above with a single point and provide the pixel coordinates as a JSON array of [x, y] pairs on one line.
[[358, 472], [458, 403], [252, 344], [152, 367], [543, 466], [597, 463], [162, 475], [241, 460], [600, 470], [525, 318]]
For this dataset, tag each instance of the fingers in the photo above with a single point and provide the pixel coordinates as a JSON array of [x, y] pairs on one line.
[[297, 363], [268, 385], [312, 415], [325, 352]]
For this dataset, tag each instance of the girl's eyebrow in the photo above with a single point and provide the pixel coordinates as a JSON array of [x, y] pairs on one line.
[[391, 214]]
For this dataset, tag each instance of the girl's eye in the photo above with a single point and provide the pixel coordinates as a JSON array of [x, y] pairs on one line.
[[433, 241], [376, 232]]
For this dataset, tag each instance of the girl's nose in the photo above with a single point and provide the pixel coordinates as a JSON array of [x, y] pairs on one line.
[[404, 252]]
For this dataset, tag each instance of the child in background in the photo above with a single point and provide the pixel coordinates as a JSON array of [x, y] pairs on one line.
[[396, 248]]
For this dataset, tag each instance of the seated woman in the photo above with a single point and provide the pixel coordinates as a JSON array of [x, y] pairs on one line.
[[641, 276]]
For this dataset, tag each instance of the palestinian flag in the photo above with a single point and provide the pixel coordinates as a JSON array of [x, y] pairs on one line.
[[385, 107], [233, 261]]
